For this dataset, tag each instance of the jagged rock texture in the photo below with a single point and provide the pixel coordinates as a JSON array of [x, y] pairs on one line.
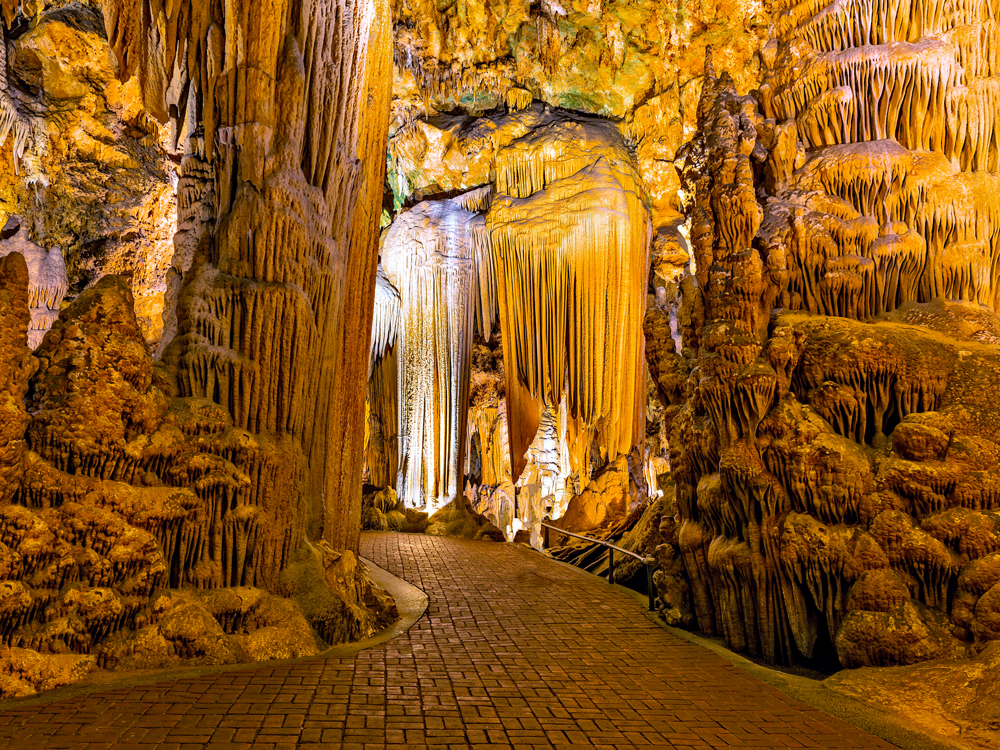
[[221, 465], [835, 474], [81, 162]]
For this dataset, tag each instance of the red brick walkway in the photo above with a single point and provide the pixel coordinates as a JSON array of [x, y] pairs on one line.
[[514, 651]]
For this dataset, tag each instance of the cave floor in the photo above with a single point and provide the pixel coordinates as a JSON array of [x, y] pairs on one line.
[[515, 650]]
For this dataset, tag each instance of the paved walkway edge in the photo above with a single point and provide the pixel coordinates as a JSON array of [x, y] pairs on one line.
[[811, 692], [410, 601]]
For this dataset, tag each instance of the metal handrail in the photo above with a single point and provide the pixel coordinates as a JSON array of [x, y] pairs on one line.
[[649, 562]]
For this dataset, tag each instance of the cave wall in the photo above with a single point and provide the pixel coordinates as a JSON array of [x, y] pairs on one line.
[[82, 165], [832, 432], [514, 96], [234, 461], [265, 314]]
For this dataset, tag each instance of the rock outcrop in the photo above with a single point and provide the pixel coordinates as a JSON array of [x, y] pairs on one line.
[[833, 444], [191, 508]]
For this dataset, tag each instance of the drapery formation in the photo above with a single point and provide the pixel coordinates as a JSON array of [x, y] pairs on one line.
[[428, 256], [570, 235], [382, 444], [557, 249]]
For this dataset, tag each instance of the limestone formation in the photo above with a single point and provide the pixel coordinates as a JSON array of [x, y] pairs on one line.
[[47, 282], [833, 444], [540, 194], [87, 176], [429, 256], [16, 368], [953, 699], [129, 485], [382, 434], [742, 322]]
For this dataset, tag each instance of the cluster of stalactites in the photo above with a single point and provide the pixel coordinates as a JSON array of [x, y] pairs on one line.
[[833, 26], [215, 69], [381, 435], [921, 73], [857, 183], [385, 319], [570, 232], [265, 97], [13, 123], [899, 106], [429, 255]]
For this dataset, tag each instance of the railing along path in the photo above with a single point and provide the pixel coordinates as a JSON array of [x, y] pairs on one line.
[[649, 562]]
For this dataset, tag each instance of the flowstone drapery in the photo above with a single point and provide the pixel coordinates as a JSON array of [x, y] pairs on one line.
[[428, 255], [570, 235], [556, 244], [382, 435]]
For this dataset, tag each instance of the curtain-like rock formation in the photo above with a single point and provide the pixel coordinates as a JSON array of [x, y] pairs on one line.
[[560, 280], [264, 319], [570, 236], [429, 257], [382, 435]]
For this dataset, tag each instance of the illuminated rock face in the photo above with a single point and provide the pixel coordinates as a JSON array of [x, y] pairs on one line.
[[46, 274], [558, 257], [283, 164], [382, 436], [570, 236], [221, 466], [81, 162], [428, 256], [835, 474]]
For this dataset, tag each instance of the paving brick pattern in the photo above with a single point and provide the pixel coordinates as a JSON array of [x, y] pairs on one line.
[[515, 651]]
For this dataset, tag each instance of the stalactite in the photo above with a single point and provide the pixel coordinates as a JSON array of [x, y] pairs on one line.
[[382, 451], [556, 204], [429, 256]]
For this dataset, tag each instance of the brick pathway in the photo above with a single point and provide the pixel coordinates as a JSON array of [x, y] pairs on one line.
[[514, 651]]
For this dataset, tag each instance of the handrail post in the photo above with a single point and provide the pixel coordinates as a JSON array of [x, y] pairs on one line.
[[545, 537], [611, 565], [649, 585]]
